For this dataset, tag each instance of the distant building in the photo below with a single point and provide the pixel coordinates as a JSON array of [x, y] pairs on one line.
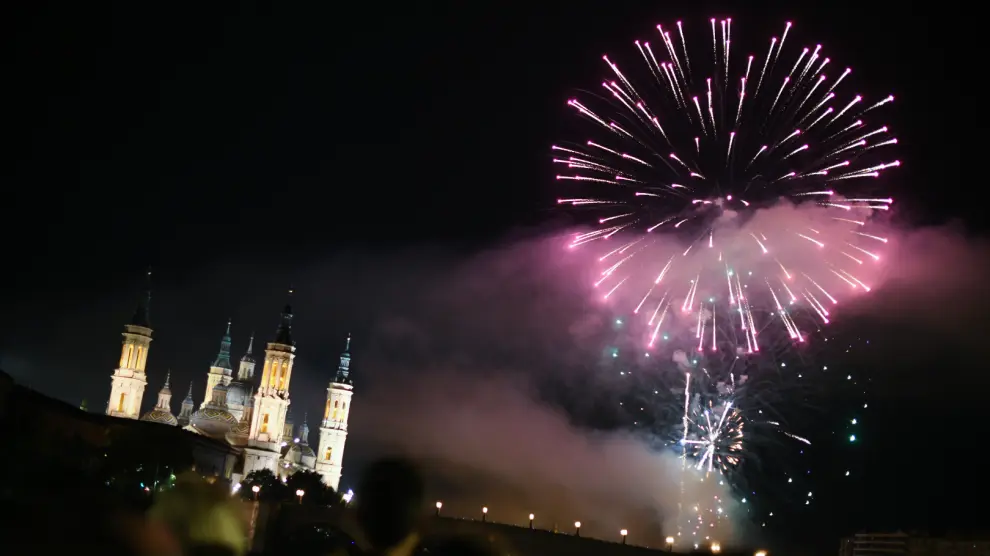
[[899, 543], [250, 416]]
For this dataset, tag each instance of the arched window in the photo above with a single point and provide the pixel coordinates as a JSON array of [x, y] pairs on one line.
[[264, 423], [326, 413], [283, 376], [328, 453], [120, 404]]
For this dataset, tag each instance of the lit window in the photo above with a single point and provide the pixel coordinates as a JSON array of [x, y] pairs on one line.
[[120, 404], [329, 453], [264, 423]]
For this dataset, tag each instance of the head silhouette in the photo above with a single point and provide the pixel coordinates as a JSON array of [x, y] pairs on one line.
[[389, 502]]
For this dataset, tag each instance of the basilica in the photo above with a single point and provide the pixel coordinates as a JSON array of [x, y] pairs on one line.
[[251, 416]]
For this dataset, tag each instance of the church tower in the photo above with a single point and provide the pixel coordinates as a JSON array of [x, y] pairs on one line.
[[162, 412], [221, 370], [333, 429], [187, 408], [271, 401], [245, 371], [128, 381]]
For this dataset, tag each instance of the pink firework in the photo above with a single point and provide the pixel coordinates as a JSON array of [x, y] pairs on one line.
[[730, 194]]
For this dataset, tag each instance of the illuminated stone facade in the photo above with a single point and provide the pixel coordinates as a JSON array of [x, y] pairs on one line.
[[129, 380], [252, 417], [333, 428]]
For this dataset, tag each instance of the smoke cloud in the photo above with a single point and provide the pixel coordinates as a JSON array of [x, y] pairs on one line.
[[487, 442]]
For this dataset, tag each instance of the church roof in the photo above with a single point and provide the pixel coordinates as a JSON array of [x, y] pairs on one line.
[[160, 416], [214, 414], [302, 449]]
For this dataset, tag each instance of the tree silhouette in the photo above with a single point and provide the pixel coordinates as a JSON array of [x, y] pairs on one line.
[[272, 489], [317, 492]]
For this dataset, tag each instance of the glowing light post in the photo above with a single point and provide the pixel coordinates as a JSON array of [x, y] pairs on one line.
[[623, 533], [760, 553], [300, 493], [256, 489], [484, 514], [670, 544], [716, 548], [439, 505], [577, 528], [347, 497], [531, 518]]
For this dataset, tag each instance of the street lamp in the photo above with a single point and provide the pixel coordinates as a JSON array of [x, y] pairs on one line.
[[623, 533], [716, 548], [300, 494], [577, 528], [484, 514], [348, 496], [439, 505], [256, 489], [670, 544], [760, 553], [531, 518]]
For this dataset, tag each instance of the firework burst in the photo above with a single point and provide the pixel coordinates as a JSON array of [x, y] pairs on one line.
[[735, 206], [729, 193]]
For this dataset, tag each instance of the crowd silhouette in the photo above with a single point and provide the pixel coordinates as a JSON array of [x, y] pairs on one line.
[[197, 517]]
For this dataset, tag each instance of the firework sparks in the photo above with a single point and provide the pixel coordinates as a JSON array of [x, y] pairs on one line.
[[690, 150], [733, 216]]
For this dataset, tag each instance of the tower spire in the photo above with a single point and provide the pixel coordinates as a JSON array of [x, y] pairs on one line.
[[283, 335], [221, 371], [223, 356], [165, 394], [186, 410], [245, 371], [142, 315], [304, 429], [162, 412], [344, 367]]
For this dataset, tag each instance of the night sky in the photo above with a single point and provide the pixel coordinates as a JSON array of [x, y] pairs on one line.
[[368, 155]]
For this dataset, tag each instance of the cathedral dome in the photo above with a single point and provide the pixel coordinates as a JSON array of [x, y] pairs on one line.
[[214, 421], [160, 416], [238, 393], [298, 451], [238, 435]]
